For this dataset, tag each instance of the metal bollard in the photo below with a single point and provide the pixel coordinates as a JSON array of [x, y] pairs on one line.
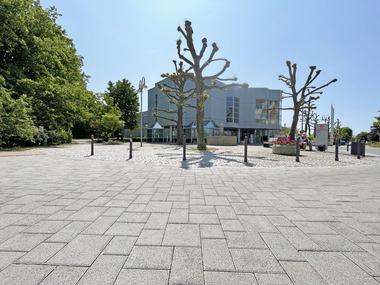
[[336, 149], [245, 149], [184, 148], [358, 148], [348, 143], [92, 144], [298, 150], [130, 147], [363, 148]]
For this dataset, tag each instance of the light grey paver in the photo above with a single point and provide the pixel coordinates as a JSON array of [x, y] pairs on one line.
[[254, 224], [120, 245], [104, 270], [41, 253], [338, 269], [216, 256], [179, 216], [150, 257], [47, 227], [228, 278], [182, 235], [299, 239], [23, 242], [99, 226], [255, 260], [125, 229], [8, 257], [335, 243], [24, 274], [303, 273], [81, 251], [138, 276], [69, 232], [245, 240], [273, 279], [157, 221], [187, 267], [365, 261], [67, 275], [211, 231], [150, 237], [281, 247]]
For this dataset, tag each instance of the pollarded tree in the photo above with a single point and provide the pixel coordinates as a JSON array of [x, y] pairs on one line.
[[301, 95], [177, 96], [198, 78]]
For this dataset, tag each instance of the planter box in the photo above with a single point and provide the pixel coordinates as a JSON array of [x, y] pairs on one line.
[[222, 140], [284, 149]]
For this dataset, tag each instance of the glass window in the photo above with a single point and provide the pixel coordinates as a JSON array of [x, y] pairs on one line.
[[232, 109], [261, 112]]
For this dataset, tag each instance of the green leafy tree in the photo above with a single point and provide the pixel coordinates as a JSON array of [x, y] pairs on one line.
[[374, 134], [345, 133], [125, 96], [361, 136], [110, 123], [38, 60], [303, 96], [16, 125], [178, 96]]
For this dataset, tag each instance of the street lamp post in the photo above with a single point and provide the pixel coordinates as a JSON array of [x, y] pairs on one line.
[[141, 87]]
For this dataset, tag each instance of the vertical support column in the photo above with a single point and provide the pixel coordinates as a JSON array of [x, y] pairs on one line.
[[363, 148], [184, 148], [336, 149], [130, 147], [298, 150], [245, 149], [358, 148], [92, 144]]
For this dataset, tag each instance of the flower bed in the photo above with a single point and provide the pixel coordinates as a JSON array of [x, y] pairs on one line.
[[284, 147]]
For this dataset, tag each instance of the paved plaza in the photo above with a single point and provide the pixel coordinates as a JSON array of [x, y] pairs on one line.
[[70, 218]]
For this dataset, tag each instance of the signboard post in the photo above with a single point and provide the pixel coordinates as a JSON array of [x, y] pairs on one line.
[[322, 135]]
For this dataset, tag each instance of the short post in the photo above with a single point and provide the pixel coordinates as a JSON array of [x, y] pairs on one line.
[[336, 149], [363, 148], [130, 147], [348, 143], [298, 150], [92, 144], [184, 148], [358, 148], [245, 148]]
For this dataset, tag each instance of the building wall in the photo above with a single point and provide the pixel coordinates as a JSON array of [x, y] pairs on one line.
[[215, 106]]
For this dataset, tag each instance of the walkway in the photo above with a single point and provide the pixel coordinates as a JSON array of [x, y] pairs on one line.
[[69, 218]]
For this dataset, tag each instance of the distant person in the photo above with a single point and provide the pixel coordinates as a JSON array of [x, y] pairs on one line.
[[305, 141]]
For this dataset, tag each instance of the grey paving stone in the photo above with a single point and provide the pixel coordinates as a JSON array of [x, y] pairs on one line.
[[187, 266], [81, 251], [150, 257], [120, 245], [24, 274], [8, 257], [302, 273], [23, 242], [10, 231], [244, 240], [211, 231], [350, 233], [178, 216], [226, 212], [60, 215], [41, 253], [104, 270], [372, 248], [241, 209], [138, 276], [335, 243], [114, 212], [338, 269], [365, 261], [315, 228], [69, 232], [254, 224], [182, 235], [157, 221], [299, 239], [216, 256], [273, 279], [45, 210], [158, 207], [255, 260], [150, 237], [132, 217], [280, 221], [9, 219], [217, 201], [48, 227], [203, 219], [281, 247], [87, 214], [228, 278], [125, 229], [232, 225], [202, 209], [64, 275], [100, 225]]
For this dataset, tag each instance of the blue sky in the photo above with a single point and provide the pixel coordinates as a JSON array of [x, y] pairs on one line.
[[131, 39]]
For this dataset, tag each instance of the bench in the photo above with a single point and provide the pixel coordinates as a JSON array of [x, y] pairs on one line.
[[321, 147], [267, 144]]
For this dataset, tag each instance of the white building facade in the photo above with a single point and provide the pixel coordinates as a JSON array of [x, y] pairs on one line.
[[251, 112]]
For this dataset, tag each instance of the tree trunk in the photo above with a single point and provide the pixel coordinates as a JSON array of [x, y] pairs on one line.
[[293, 128], [201, 145], [180, 126]]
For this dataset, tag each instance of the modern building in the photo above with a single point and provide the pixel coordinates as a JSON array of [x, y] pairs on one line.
[[251, 112]]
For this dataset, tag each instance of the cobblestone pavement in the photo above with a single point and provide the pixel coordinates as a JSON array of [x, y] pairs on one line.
[[68, 218]]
